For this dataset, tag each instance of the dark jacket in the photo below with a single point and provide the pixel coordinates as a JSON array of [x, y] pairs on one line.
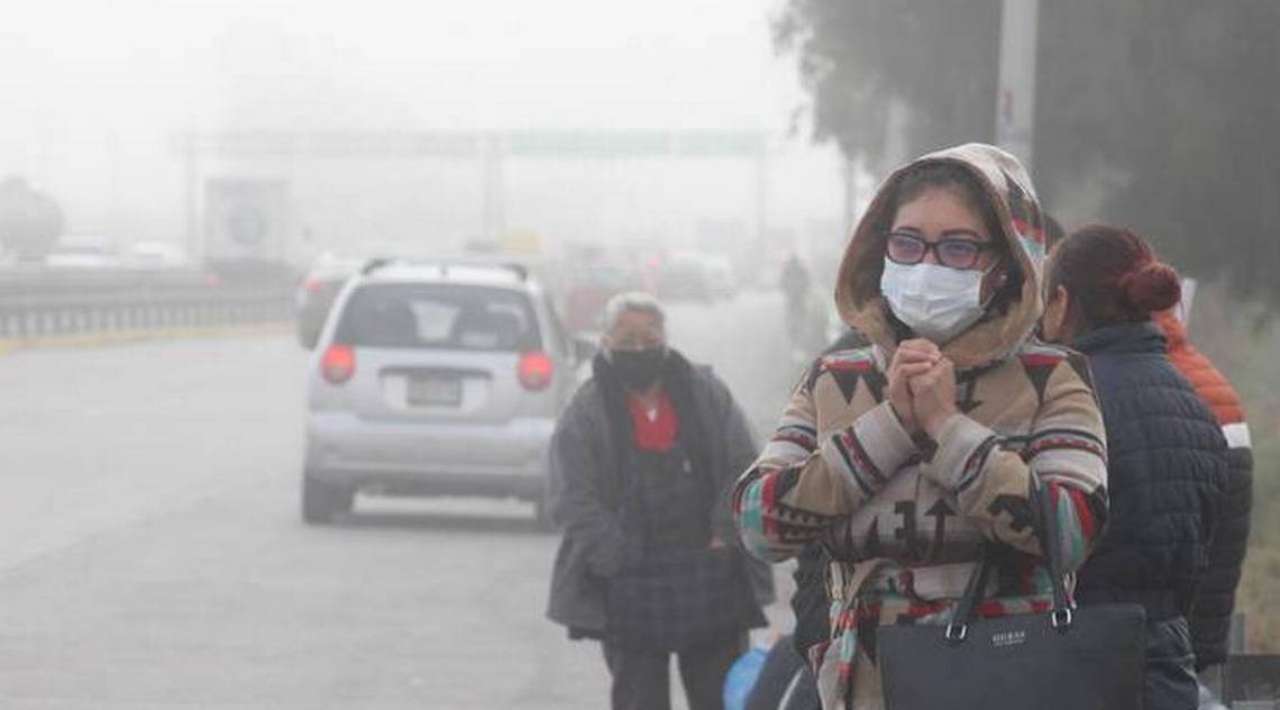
[[586, 484], [1211, 619], [1167, 470]]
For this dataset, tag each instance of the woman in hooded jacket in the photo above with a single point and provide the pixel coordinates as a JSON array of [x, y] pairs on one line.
[[905, 458], [1168, 463]]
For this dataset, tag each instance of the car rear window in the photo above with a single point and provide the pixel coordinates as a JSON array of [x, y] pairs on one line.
[[443, 316]]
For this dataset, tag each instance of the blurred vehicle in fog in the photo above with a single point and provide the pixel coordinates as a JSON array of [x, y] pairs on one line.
[[96, 252], [31, 220], [156, 255], [589, 288], [84, 252], [316, 293], [435, 379], [691, 276], [720, 272]]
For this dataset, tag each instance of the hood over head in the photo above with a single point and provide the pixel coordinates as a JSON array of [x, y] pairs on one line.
[[1013, 198]]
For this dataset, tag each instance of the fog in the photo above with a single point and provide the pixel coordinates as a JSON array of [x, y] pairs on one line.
[[184, 189], [294, 293], [98, 99]]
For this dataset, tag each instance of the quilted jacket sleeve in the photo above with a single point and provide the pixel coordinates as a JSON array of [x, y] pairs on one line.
[[1215, 601]]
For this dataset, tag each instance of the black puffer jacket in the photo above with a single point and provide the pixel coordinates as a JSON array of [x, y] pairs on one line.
[[1211, 620], [1167, 471]]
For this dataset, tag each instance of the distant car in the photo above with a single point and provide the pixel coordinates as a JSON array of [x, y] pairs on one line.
[[156, 255], [685, 278], [720, 274], [316, 293], [435, 379], [696, 276], [589, 289], [83, 253]]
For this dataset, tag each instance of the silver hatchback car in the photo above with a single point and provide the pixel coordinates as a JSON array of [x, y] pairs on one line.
[[435, 379]]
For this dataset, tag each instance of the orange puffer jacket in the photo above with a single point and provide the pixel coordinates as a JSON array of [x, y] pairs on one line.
[[1211, 384]]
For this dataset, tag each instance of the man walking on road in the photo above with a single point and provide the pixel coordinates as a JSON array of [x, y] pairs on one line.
[[795, 285], [641, 464]]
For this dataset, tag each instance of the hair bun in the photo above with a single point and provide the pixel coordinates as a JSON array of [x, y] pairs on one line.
[[1153, 287]]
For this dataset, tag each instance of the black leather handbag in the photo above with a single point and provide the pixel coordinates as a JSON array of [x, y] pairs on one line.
[[1069, 659]]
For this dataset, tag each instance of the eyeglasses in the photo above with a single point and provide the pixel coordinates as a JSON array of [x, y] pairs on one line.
[[905, 248]]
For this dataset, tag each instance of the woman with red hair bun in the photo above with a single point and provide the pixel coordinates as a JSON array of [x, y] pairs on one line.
[[1167, 466]]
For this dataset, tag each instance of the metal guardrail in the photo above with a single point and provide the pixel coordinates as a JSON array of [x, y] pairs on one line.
[[1252, 682], [46, 318], [1246, 681], [38, 305]]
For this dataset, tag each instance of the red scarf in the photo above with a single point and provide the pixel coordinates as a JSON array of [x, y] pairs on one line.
[[657, 433]]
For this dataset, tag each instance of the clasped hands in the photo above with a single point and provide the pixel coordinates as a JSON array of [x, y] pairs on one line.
[[922, 387]]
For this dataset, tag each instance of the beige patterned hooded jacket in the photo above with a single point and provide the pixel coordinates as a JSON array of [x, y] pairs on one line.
[[904, 518]]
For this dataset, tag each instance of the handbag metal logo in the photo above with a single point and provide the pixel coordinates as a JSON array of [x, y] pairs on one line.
[[1008, 638]]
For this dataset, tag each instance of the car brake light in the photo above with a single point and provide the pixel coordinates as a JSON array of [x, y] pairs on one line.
[[338, 364], [535, 371], [312, 285]]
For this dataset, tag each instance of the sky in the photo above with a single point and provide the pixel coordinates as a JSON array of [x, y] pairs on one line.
[[93, 92], [482, 62]]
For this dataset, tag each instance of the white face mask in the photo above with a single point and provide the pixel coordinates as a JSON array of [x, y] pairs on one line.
[[937, 302]]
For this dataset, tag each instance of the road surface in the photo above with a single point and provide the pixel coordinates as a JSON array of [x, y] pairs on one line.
[[151, 554]]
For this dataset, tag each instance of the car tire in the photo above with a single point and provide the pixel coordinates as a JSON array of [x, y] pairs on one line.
[[322, 501]]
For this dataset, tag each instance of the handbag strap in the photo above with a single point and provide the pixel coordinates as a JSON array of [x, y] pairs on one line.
[[957, 628], [1050, 544]]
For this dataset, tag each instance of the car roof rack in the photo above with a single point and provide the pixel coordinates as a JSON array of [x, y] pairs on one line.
[[520, 271], [374, 264]]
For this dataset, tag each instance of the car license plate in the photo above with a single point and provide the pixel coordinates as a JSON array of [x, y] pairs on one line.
[[435, 392]]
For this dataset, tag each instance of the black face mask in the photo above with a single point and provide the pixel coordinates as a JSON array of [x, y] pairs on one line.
[[638, 369]]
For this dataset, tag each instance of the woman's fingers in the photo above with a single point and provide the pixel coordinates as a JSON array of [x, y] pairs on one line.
[[912, 360], [920, 345], [927, 378], [917, 351], [911, 370], [911, 357]]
